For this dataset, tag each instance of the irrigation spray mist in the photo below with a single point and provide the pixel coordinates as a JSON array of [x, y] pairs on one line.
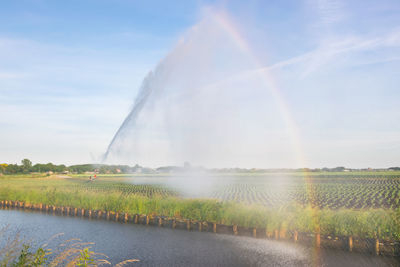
[[203, 104]]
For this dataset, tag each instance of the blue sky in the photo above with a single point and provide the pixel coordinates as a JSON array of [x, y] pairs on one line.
[[70, 71]]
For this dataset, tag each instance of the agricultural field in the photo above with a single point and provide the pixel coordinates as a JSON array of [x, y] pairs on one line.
[[365, 206], [333, 191], [322, 190]]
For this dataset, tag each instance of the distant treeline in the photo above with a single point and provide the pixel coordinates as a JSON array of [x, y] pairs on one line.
[[27, 167]]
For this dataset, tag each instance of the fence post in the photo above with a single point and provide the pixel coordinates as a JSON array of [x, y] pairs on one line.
[[282, 234], [254, 232], [136, 218], [318, 239], [200, 226], [295, 236], [159, 221], [235, 229], [377, 246], [214, 227], [350, 243], [188, 225]]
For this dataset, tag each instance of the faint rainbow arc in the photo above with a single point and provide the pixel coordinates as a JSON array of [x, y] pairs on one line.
[[270, 83]]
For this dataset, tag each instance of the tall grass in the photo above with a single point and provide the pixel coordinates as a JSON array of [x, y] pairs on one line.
[[384, 224], [15, 252]]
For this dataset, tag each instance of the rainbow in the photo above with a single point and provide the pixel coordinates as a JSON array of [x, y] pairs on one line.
[[226, 23]]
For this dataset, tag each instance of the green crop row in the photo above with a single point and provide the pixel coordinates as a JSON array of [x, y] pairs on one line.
[[368, 223]]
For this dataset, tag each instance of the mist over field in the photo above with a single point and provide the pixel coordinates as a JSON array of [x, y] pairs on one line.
[[199, 133], [204, 103]]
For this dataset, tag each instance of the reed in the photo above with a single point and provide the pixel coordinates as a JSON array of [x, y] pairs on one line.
[[73, 252], [370, 223]]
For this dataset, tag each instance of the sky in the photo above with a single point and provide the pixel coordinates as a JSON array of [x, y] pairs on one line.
[[70, 72]]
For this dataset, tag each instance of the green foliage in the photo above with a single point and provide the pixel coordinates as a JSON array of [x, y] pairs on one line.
[[86, 258], [26, 165], [113, 195], [25, 257]]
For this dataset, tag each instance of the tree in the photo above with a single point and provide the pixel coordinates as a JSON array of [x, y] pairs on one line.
[[26, 165], [3, 167]]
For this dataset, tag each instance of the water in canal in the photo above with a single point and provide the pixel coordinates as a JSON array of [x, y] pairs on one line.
[[155, 246]]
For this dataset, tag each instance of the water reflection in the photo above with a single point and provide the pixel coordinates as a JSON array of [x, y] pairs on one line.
[[155, 246]]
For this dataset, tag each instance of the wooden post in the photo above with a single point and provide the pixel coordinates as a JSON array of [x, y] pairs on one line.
[[173, 224], [254, 232], [318, 240], [200, 226], [40, 206], [377, 246], [235, 229], [188, 225], [282, 234], [350, 243], [159, 221], [90, 214], [82, 213], [75, 212], [214, 227], [108, 215], [126, 217], [136, 218], [268, 234], [99, 214], [147, 219], [295, 236], [62, 210], [116, 216]]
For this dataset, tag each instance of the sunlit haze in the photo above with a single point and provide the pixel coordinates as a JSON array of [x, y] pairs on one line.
[[232, 83]]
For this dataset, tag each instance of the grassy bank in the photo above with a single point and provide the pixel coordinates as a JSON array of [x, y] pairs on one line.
[[382, 223]]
